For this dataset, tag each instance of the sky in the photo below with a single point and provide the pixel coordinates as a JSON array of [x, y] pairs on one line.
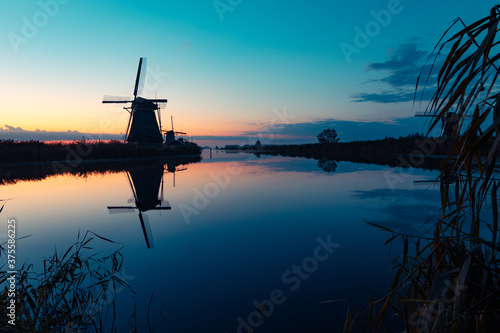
[[232, 70]]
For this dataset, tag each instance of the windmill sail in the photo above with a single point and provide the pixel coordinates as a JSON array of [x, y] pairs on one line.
[[141, 77], [117, 99]]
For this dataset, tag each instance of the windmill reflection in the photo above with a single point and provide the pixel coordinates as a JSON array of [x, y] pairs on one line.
[[146, 185]]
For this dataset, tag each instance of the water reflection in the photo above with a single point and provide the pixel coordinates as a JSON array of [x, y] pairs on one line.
[[327, 165], [145, 185], [208, 273], [147, 188]]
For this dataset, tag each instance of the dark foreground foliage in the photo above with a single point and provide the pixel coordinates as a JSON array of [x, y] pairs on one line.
[[76, 292]]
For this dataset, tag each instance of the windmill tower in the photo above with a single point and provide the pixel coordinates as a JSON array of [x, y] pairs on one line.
[[145, 185], [142, 128]]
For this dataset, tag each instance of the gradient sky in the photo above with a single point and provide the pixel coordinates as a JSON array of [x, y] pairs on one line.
[[223, 65]]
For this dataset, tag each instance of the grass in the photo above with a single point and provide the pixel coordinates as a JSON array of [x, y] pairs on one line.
[[36, 151], [76, 292]]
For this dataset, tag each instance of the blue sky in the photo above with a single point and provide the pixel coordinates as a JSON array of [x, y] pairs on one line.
[[225, 66]]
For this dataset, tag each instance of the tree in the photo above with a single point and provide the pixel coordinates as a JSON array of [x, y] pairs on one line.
[[328, 135]]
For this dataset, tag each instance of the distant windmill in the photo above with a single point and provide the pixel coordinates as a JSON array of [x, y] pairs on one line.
[[170, 135], [145, 185], [142, 126], [448, 122], [172, 168]]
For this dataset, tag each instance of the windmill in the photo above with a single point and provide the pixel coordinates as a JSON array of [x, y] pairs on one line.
[[142, 126], [170, 135], [448, 122], [145, 184]]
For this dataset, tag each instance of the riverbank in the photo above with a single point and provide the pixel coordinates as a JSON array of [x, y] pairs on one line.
[[77, 151], [411, 151]]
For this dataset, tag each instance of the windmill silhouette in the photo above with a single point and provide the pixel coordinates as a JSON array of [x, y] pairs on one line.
[[142, 128], [145, 184], [170, 135]]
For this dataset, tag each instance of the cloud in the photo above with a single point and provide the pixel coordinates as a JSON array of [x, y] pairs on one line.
[[383, 97], [407, 56], [11, 129], [404, 210], [8, 132], [399, 75], [306, 132], [347, 130]]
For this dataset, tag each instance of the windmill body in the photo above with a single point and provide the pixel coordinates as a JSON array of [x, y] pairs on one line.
[[143, 127]]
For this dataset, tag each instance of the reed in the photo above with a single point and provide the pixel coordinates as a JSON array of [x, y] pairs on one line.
[[72, 294], [449, 281], [35, 151]]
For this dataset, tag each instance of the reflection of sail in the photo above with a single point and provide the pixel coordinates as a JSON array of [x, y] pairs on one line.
[[145, 185]]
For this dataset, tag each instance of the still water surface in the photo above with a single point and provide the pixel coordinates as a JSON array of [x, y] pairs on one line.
[[242, 230]]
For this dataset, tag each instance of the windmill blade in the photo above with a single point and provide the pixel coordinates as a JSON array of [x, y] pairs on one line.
[[146, 229], [120, 209], [132, 187], [116, 99], [161, 208], [161, 105], [159, 117], [141, 77], [165, 205], [128, 128], [158, 100], [180, 133], [162, 199]]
